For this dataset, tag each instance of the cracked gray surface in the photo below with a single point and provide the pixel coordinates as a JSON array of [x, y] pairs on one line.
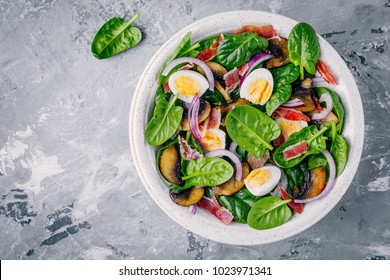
[[68, 186]]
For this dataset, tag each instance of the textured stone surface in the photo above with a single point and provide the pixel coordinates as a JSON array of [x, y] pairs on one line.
[[68, 187]]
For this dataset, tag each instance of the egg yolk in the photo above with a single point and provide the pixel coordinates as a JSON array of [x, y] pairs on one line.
[[259, 91], [211, 141], [289, 127], [187, 86], [258, 177]]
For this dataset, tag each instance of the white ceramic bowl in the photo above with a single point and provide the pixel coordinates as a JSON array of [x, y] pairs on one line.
[[203, 223]]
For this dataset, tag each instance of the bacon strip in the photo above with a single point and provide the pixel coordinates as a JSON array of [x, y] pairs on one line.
[[295, 150], [166, 87], [218, 211], [214, 118], [265, 31], [186, 151], [242, 69], [289, 114], [210, 52], [297, 207], [232, 80]]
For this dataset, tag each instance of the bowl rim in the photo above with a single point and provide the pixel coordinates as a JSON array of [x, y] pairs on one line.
[[136, 143]]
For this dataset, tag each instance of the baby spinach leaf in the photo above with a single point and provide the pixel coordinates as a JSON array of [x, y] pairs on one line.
[[164, 123], [158, 158], [207, 172], [269, 212], [239, 204], [236, 50], [316, 160], [251, 129], [214, 97], [303, 48], [280, 95], [296, 176], [206, 42], [286, 74], [338, 108], [115, 36], [314, 139], [183, 49], [339, 151]]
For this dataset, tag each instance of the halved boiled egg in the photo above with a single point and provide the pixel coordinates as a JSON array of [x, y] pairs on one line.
[[288, 127], [263, 180], [258, 86], [187, 84], [214, 139]]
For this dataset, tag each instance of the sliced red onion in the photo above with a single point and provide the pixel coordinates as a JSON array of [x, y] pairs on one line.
[[193, 208], [329, 185], [329, 106], [200, 63], [318, 80], [233, 158], [233, 148], [294, 103], [193, 119], [256, 60]]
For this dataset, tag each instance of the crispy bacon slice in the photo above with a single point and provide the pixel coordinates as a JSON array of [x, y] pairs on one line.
[[295, 150], [279, 141], [186, 151], [214, 118], [242, 69], [297, 207], [210, 52], [203, 127], [325, 72], [289, 114], [265, 31], [166, 87], [232, 79], [217, 210], [187, 66]]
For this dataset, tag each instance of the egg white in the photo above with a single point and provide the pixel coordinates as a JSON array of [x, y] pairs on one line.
[[259, 190], [260, 73], [218, 133], [201, 80]]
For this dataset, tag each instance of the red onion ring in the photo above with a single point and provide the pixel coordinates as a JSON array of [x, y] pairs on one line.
[[329, 106], [233, 158], [329, 185], [200, 63], [233, 147], [256, 60], [294, 103], [193, 119]]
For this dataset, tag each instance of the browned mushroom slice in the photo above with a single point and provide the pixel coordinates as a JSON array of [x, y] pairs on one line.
[[279, 48], [255, 162], [217, 69], [305, 95], [187, 197], [170, 165], [204, 112], [222, 90], [314, 183], [232, 185]]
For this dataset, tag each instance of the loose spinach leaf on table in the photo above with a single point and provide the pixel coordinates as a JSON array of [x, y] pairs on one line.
[[115, 36], [269, 212], [164, 123], [235, 50], [251, 129], [207, 172], [315, 141], [339, 151], [338, 108], [183, 49], [304, 48], [239, 204]]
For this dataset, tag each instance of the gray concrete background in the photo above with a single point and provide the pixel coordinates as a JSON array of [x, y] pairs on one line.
[[68, 186]]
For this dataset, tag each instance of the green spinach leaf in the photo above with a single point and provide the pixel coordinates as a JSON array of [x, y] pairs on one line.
[[164, 123], [115, 36], [338, 108], [207, 172], [296, 176], [286, 74], [251, 129], [280, 95], [239, 204], [339, 151], [214, 97], [183, 49], [236, 50], [316, 160], [314, 139], [304, 48], [269, 212]]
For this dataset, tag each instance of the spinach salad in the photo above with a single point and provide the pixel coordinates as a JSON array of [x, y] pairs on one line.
[[246, 127]]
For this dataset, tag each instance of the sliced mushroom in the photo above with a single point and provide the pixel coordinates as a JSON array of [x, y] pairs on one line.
[[170, 165], [222, 90], [187, 197], [305, 95], [204, 112], [218, 70], [232, 185], [279, 48], [255, 162], [314, 183], [306, 83]]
